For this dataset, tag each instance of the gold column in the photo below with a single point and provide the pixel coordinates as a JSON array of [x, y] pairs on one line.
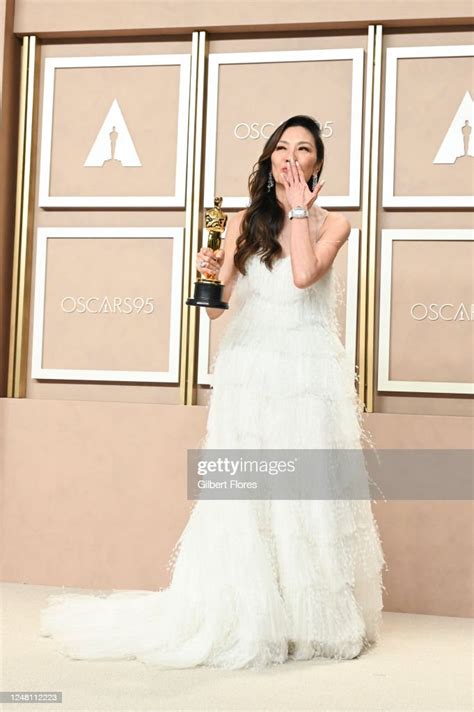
[[366, 306], [21, 282], [185, 313], [193, 227], [372, 234]]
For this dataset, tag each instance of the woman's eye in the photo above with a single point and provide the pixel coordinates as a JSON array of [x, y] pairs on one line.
[[305, 148]]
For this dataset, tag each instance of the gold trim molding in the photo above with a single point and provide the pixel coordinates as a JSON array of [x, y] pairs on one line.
[[21, 281]]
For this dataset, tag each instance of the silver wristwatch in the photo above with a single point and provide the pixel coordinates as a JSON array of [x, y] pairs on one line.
[[298, 212]]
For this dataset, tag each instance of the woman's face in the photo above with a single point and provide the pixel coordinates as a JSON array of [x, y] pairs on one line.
[[296, 143]]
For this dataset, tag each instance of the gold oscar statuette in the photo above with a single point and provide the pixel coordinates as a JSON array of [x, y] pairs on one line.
[[208, 289]]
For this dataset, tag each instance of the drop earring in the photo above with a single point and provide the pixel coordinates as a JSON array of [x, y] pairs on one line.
[[270, 182], [314, 182]]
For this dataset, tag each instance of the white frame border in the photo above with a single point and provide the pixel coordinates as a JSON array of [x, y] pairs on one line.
[[389, 199], [205, 377], [170, 376], [384, 383], [127, 201], [308, 55]]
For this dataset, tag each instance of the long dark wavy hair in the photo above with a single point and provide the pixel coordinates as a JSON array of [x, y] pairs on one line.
[[264, 218]]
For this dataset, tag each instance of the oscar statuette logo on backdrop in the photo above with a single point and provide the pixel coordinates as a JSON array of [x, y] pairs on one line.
[[208, 290]]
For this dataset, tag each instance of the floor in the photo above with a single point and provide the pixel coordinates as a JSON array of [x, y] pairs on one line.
[[422, 664]]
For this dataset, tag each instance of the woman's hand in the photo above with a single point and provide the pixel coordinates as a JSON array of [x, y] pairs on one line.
[[296, 187], [209, 262]]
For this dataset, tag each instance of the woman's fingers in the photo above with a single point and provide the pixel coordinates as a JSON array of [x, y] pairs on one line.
[[219, 255], [319, 187], [206, 262], [300, 172], [293, 171]]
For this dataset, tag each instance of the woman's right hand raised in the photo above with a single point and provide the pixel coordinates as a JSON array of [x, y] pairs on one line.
[[209, 262]]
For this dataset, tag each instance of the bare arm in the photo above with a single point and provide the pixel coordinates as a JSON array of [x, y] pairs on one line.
[[228, 273], [323, 253]]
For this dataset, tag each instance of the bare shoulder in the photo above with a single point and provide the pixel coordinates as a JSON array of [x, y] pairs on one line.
[[235, 219], [233, 225], [335, 220], [335, 216], [232, 232]]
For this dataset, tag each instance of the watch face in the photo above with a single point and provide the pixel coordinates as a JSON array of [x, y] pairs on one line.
[[298, 213]]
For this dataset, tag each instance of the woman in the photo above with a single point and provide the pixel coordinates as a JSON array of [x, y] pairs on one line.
[[255, 582]]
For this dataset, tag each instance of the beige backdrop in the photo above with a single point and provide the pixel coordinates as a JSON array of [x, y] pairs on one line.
[[95, 497]]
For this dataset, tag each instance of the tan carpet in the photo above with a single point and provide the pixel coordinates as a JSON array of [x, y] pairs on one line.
[[422, 664]]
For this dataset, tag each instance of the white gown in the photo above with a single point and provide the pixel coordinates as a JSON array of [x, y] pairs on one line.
[[255, 582]]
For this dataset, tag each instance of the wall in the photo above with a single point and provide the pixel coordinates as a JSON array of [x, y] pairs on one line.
[[94, 491]]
